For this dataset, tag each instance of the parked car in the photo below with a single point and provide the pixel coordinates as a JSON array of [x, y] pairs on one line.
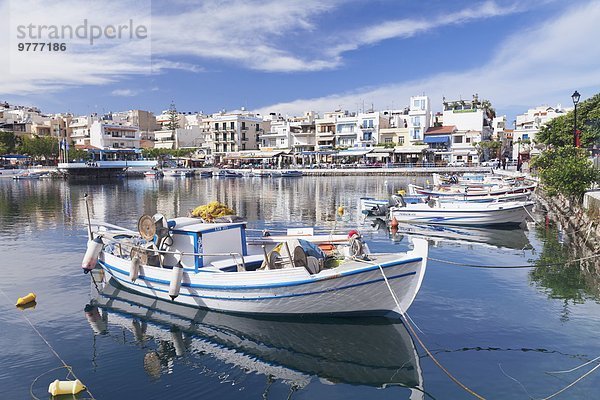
[[457, 164], [494, 163]]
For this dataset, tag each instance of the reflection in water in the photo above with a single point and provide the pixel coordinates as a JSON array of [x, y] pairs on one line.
[[361, 351], [509, 237], [554, 274]]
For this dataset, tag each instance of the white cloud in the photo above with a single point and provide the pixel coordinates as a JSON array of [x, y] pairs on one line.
[[247, 34], [124, 92], [543, 63], [405, 28]]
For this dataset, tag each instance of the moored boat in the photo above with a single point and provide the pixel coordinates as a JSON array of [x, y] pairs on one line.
[[208, 265], [435, 211]]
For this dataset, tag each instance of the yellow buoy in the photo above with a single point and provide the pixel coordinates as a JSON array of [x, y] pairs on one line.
[[401, 192], [65, 387], [26, 299], [340, 210]]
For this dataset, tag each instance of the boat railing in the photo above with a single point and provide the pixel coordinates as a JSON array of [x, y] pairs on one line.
[[153, 249]]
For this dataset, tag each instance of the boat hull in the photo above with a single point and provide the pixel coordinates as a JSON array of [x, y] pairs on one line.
[[487, 215], [355, 288]]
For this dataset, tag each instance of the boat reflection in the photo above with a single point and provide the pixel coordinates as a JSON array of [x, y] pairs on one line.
[[360, 351], [512, 238]]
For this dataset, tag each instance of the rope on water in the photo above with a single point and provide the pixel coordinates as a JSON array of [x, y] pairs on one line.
[[512, 266], [65, 365], [406, 319]]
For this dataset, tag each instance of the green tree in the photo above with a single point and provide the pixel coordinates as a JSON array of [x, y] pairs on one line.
[[559, 131], [39, 148], [490, 148], [173, 117], [567, 170], [8, 142]]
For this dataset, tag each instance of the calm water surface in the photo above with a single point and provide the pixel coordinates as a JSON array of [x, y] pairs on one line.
[[499, 331]]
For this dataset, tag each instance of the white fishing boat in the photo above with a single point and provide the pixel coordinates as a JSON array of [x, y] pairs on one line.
[[360, 351], [472, 192], [228, 173], [179, 172], [463, 212], [208, 265], [28, 174], [154, 174], [290, 173]]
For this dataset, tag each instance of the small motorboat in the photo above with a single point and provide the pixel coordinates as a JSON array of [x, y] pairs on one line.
[[291, 173], [228, 173], [209, 265], [154, 174], [434, 211]]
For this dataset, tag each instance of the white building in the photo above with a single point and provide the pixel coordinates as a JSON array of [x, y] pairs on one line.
[[92, 131], [419, 117], [232, 132], [473, 122], [528, 124]]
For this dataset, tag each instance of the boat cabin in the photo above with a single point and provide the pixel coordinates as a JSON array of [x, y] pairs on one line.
[[213, 242]]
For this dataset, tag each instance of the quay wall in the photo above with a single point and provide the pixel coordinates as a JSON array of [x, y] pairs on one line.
[[582, 227]]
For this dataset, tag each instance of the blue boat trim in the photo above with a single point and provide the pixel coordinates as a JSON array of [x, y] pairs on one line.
[[280, 296], [269, 285]]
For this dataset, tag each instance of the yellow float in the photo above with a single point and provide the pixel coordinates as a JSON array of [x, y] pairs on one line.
[[25, 299]]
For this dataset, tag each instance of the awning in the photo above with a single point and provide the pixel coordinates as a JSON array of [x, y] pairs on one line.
[[437, 139], [352, 153], [249, 154], [409, 149]]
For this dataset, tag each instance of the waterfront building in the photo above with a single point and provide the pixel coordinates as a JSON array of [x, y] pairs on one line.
[[278, 136], [397, 132], [439, 140], [528, 124], [144, 120], [346, 130], [234, 131], [190, 133], [303, 133], [368, 129], [419, 118], [325, 129], [91, 131], [473, 121]]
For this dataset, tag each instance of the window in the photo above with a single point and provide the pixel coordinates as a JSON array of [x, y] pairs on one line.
[[458, 139], [282, 141], [468, 140], [416, 121], [216, 126], [388, 140], [232, 136], [217, 148], [243, 125], [416, 134], [401, 140], [232, 125]]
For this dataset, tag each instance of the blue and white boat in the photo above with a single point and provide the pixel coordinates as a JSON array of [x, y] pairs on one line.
[[209, 265], [435, 211]]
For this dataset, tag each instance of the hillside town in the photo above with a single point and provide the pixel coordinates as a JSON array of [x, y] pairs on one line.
[[410, 136]]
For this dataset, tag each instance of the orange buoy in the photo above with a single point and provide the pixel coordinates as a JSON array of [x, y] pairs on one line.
[[394, 223]]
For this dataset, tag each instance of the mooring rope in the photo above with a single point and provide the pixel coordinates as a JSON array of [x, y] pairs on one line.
[[512, 266], [406, 319], [65, 365]]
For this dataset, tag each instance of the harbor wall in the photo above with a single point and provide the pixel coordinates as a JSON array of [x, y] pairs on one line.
[[581, 226]]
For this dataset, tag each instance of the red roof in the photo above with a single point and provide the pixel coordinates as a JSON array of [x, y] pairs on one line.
[[440, 130]]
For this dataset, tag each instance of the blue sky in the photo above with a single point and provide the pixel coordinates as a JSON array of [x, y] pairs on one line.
[[290, 56]]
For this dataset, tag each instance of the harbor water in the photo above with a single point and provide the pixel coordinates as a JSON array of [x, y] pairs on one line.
[[504, 333]]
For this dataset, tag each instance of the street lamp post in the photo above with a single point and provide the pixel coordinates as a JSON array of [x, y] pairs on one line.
[[519, 155], [575, 96]]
